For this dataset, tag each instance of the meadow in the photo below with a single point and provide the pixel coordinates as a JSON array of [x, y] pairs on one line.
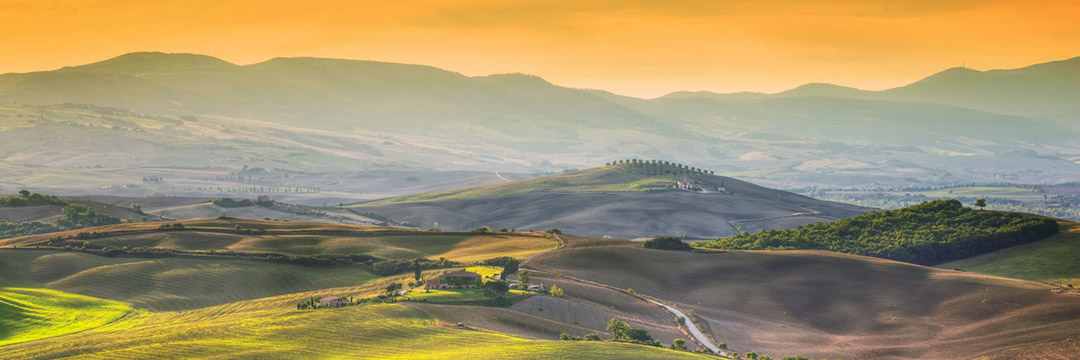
[[167, 283], [1053, 260], [28, 314], [271, 328]]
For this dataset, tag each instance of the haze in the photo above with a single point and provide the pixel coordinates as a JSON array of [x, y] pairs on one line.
[[638, 48]]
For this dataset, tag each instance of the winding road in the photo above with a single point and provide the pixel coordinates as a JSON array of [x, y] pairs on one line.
[[690, 326]]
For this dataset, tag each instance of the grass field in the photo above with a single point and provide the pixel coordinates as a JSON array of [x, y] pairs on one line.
[[487, 272], [271, 328], [307, 238], [168, 283], [1054, 260], [29, 314]]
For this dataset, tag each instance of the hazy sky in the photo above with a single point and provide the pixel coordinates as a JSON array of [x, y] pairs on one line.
[[643, 48]]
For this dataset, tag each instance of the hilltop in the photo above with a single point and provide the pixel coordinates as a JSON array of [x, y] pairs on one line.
[[629, 198]]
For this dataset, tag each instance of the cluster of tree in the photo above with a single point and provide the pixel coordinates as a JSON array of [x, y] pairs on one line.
[[312, 260], [13, 229], [233, 203], [400, 266], [509, 265], [622, 331], [659, 167], [666, 243], [81, 216], [313, 303], [26, 198], [171, 226], [930, 233], [247, 230]]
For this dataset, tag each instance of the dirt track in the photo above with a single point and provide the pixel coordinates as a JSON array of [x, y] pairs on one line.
[[825, 305]]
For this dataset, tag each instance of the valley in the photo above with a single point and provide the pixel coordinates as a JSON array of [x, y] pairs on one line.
[[177, 205]]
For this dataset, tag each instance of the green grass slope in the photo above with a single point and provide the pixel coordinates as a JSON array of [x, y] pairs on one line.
[[1053, 260], [930, 233], [272, 328], [30, 314], [168, 283]]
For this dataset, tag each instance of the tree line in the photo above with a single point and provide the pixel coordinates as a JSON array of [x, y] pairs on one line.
[[930, 233]]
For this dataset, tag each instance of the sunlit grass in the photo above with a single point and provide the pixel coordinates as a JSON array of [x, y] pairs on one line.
[[272, 328], [1055, 259], [29, 314]]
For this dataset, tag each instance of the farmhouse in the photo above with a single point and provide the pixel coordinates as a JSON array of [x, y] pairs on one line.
[[454, 280]]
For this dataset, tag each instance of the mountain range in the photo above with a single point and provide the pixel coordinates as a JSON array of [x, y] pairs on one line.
[[959, 125]]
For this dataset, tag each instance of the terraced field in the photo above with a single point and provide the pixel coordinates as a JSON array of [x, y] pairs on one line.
[[272, 328], [167, 283], [30, 314], [1053, 260], [307, 238]]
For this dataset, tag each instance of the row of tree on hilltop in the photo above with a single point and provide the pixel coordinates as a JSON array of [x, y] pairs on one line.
[[660, 167]]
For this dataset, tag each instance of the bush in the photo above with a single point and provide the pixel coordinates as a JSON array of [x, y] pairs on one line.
[[930, 233], [666, 243]]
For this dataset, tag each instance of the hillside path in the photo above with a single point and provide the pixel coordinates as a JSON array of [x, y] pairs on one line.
[[690, 326]]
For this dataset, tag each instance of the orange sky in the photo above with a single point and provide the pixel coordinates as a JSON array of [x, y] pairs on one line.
[[635, 47]]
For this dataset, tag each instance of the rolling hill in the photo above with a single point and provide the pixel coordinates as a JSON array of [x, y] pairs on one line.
[[296, 238], [620, 200], [834, 306], [1054, 260], [167, 284], [211, 262], [32, 314], [272, 328]]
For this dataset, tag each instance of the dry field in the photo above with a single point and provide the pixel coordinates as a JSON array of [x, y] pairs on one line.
[[826, 305]]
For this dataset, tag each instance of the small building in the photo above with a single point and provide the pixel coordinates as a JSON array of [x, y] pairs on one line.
[[460, 279]]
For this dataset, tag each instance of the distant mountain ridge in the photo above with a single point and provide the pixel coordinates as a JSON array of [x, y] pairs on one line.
[[958, 125], [1048, 90]]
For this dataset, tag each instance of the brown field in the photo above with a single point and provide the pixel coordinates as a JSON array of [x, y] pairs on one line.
[[826, 305], [167, 283], [585, 309], [306, 238]]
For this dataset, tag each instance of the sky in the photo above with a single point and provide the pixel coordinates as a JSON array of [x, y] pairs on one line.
[[634, 47]]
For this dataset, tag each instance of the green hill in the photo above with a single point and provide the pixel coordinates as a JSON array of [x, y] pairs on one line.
[[167, 283], [1054, 260], [32, 314], [633, 198], [930, 233], [272, 328]]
